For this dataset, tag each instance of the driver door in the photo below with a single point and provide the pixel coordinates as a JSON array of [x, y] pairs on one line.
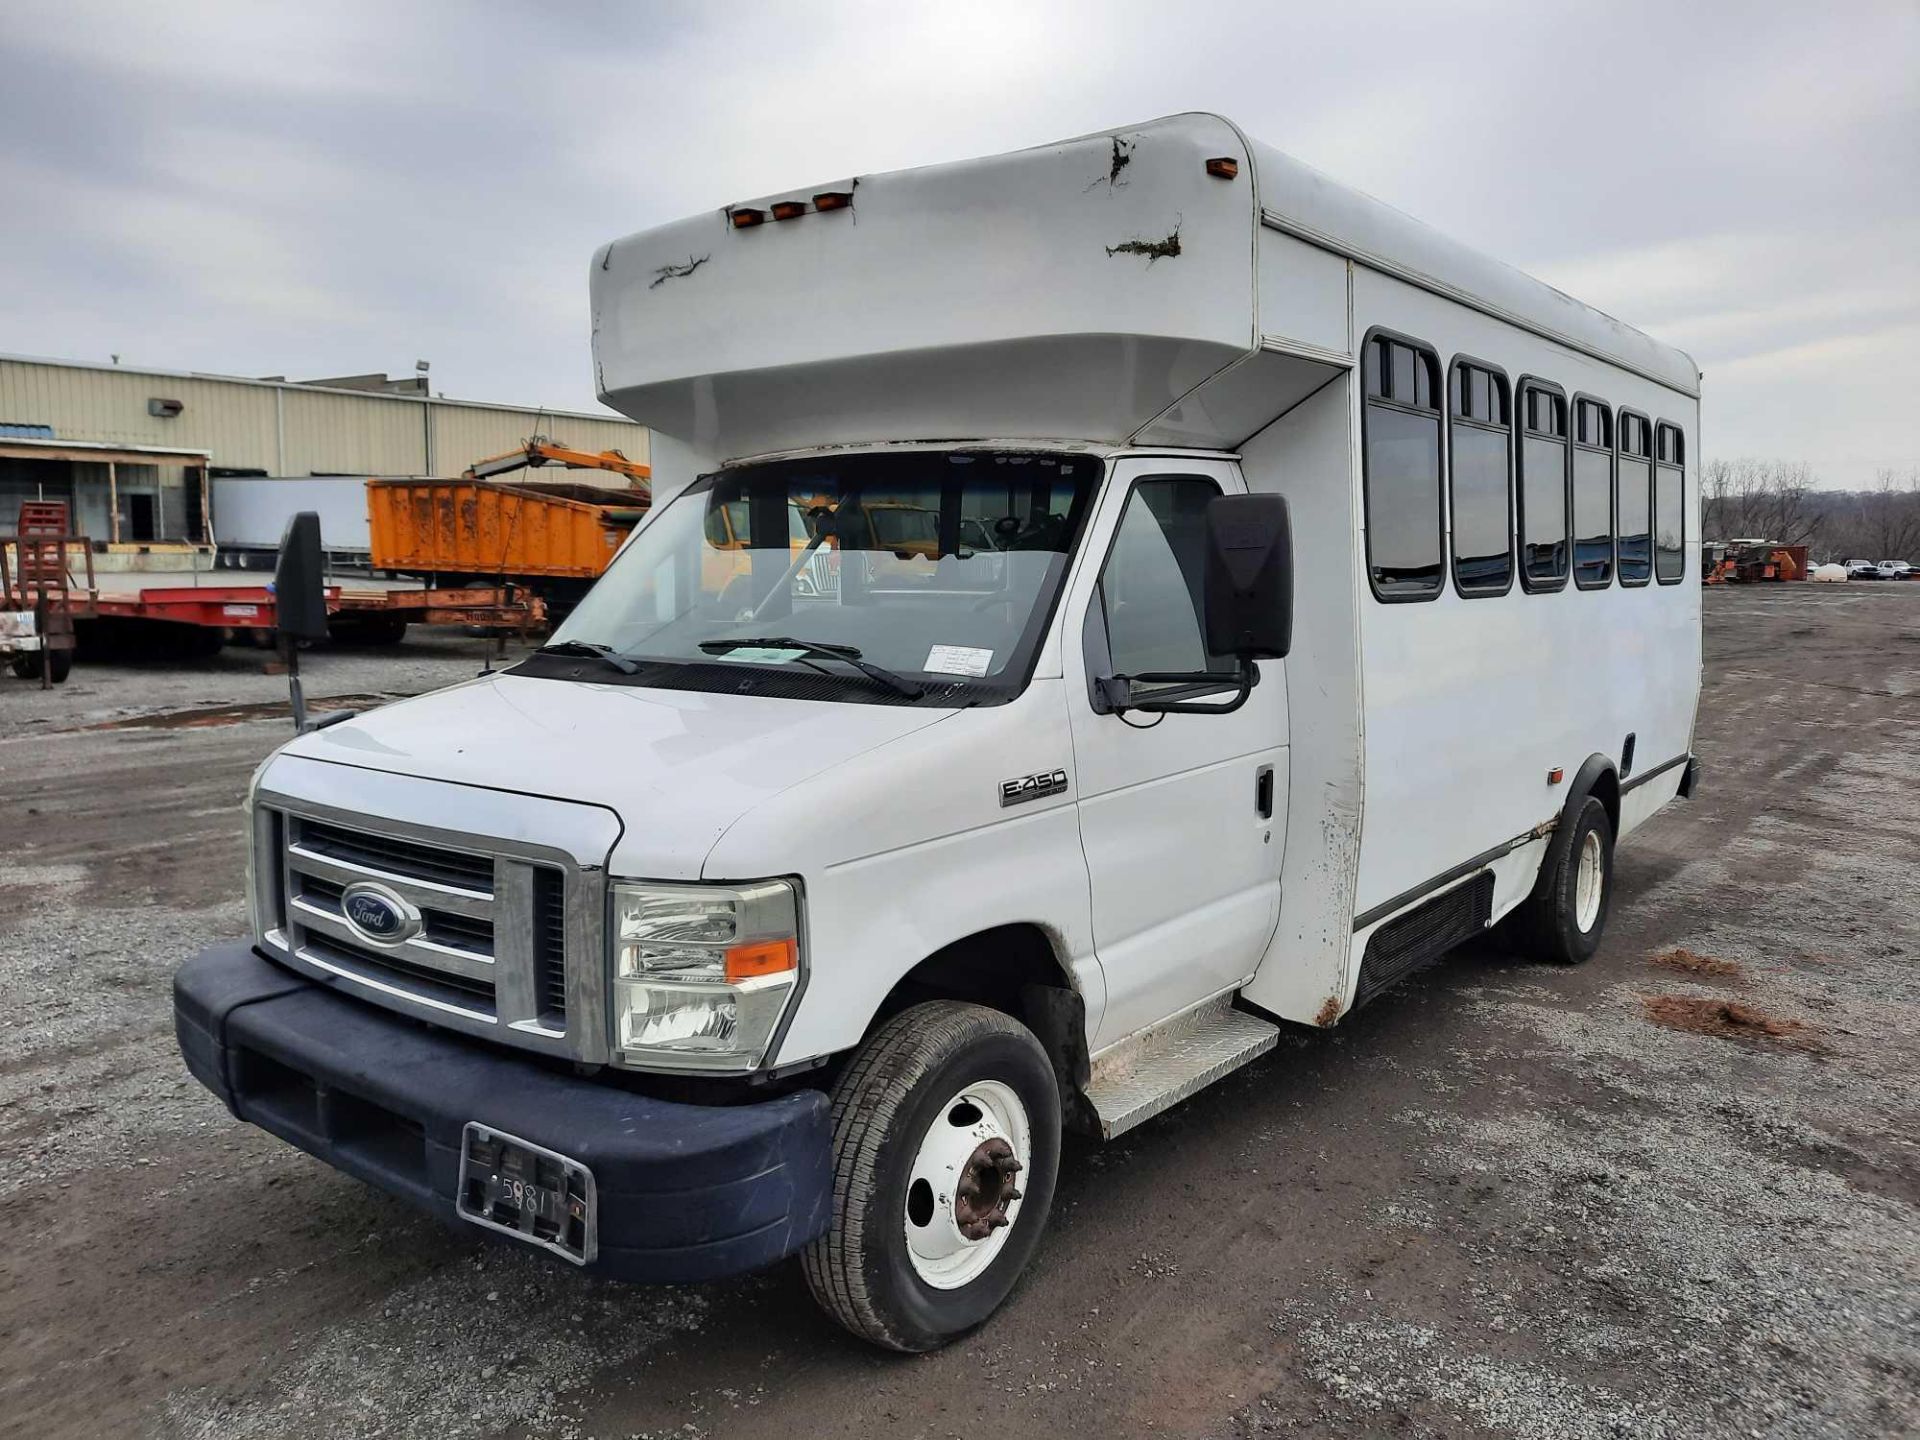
[[1182, 817]]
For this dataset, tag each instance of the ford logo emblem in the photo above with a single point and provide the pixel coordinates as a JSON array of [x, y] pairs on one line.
[[379, 914]]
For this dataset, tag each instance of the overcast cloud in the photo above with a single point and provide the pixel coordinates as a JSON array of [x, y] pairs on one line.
[[332, 188]]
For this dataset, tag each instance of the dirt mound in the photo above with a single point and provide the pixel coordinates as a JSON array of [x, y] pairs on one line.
[[1728, 1019], [1691, 962]]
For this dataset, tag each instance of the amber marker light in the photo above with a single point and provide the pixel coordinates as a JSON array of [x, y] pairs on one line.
[[1223, 168], [763, 957], [789, 210], [833, 200], [745, 219]]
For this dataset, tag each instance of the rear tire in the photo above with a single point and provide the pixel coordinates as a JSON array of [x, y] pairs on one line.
[[927, 1119], [27, 665], [1562, 921]]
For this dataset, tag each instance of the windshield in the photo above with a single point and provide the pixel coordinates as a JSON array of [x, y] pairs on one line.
[[938, 567]]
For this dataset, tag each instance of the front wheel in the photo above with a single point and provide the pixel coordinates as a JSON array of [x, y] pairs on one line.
[[946, 1143]]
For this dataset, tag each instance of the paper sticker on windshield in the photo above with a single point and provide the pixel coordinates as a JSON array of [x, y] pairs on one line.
[[760, 655], [957, 660]]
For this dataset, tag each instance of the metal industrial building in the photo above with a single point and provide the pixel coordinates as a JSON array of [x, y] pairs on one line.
[[132, 450]]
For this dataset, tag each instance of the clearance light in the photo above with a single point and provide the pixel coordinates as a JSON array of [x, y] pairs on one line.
[[743, 219], [833, 200], [788, 210], [1223, 168], [1556, 775]]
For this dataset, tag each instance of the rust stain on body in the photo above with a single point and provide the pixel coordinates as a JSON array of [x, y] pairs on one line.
[[1328, 1013], [1154, 250]]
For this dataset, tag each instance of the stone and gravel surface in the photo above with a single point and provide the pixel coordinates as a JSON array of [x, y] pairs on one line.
[[1505, 1200]]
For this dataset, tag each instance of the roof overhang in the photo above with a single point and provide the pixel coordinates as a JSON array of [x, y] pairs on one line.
[[99, 453]]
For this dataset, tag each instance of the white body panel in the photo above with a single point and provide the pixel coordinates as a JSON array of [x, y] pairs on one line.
[[253, 510], [980, 300]]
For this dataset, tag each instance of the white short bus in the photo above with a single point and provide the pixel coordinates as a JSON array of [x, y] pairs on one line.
[[1122, 597]]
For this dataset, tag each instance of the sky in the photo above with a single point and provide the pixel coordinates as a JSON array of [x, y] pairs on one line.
[[325, 189]]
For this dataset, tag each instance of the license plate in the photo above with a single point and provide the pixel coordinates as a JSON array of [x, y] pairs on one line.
[[527, 1191]]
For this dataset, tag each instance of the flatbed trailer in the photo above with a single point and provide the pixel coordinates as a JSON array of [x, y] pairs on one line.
[[251, 607]]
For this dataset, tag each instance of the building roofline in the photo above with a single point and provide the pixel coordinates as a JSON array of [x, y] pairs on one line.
[[611, 416]]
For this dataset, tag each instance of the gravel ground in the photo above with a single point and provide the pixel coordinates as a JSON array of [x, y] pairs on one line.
[[1503, 1201]]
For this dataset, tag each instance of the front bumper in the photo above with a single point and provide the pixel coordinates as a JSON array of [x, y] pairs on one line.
[[686, 1192]]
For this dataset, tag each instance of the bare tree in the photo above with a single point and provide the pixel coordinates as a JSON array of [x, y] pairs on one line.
[[1747, 499], [1891, 515]]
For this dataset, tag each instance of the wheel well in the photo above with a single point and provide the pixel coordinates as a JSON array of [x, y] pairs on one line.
[[1013, 969], [1606, 789], [1599, 779]]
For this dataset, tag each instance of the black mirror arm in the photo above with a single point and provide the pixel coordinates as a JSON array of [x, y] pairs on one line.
[[1116, 691]]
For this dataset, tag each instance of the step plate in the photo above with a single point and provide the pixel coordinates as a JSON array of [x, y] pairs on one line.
[[1189, 1059]]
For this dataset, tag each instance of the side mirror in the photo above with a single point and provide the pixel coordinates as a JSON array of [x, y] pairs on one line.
[[299, 602], [1246, 593], [300, 582], [1247, 583]]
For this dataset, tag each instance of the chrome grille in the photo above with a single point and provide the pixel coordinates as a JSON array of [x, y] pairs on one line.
[[492, 945]]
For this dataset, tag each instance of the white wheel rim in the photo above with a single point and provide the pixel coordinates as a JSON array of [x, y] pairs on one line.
[[983, 1112], [1588, 882]]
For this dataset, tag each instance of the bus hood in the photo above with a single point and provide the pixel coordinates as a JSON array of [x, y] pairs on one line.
[[678, 767]]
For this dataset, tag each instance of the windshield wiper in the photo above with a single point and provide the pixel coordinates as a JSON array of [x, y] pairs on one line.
[[849, 654], [587, 650]]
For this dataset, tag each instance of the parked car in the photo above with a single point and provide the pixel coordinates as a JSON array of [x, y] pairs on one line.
[[1894, 570], [1862, 570]]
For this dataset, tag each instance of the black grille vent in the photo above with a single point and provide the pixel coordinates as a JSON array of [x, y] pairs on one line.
[[443, 927], [1423, 935], [550, 943], [442, 985], [399, 857]]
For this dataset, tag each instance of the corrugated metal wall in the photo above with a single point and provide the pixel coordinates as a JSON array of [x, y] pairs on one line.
[[288, 429]]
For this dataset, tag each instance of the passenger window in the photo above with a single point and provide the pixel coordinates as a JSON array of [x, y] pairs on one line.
[[1635, 508], [1670, 506], [1401, 461], [1480, 437], [1592, 494], [1150, 590], [1543, 487]]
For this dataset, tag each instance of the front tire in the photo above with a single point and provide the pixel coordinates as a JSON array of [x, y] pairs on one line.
[[946, 1145], [1562, 921]]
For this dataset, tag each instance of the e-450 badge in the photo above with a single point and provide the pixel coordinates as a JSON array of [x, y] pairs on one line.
[[1036, 786]]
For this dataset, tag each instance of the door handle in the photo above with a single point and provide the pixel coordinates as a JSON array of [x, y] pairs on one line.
[[1263, 792]]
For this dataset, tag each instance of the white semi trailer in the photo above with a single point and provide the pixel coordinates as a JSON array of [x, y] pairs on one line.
[[1122, 597]]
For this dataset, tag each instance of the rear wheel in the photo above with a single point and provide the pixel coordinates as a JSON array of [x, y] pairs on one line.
[[1564, 917], [946, 1141], [59, 664]]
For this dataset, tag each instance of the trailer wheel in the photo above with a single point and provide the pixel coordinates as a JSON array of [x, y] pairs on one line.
[[350, 629], [946, 1142], [59, 665], [1563, 919]]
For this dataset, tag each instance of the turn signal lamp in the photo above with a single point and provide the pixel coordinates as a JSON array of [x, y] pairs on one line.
[[833, 200], [744, 219], [1223, 168], [788, 209]]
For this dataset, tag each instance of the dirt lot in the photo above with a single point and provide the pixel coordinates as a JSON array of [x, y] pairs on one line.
[[1650, 1197]]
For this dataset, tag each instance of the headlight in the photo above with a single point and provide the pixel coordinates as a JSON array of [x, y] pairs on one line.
[[702, 973]]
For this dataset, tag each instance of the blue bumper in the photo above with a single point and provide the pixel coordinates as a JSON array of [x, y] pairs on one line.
[[686, 1192]]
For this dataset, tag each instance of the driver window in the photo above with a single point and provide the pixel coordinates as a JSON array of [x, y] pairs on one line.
[[1150, 590]]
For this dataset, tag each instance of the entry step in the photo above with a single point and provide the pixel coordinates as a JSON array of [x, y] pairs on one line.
[[1158, 1068]]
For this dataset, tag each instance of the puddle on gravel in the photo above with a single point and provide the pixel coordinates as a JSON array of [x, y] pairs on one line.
[[207, 716]]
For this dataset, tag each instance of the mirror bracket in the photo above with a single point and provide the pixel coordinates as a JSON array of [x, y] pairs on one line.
[[1114, 693]]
